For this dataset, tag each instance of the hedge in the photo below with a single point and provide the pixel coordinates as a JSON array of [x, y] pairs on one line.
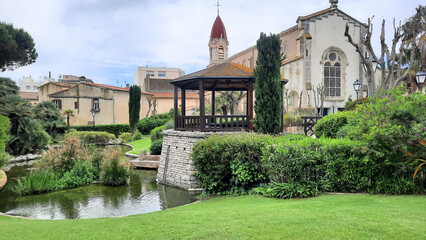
[[93, 137], [115, 129], [4, 131], [145, 125]]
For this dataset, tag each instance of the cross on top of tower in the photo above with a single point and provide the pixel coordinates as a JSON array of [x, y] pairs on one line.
[[217, 5]]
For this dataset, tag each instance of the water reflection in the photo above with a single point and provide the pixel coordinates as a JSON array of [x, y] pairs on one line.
[[142, 195]]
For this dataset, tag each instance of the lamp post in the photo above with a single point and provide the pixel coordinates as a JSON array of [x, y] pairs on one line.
[[420, 78], [357, 87], [93, 115]]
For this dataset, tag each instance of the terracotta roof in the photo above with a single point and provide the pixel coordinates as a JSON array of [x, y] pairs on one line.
[[29, 95], [218, 29], [171, 95], [111, 87], [67, 85]]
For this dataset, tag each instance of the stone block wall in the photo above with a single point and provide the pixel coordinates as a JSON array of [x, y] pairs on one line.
[[176, 168]]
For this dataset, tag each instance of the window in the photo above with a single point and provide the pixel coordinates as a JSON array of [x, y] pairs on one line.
[[151, 73], [332, 75], [162, 74], [28, 87], [221, 53], [75, 105], [95, 104], [35, 88], [58, 103]]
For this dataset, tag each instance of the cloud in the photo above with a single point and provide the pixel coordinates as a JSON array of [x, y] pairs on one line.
[[106, 40]]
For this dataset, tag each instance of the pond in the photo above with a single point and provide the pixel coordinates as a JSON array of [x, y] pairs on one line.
[[142, 195]]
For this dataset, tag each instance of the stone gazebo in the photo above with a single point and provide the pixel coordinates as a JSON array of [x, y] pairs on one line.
[[176, 168]]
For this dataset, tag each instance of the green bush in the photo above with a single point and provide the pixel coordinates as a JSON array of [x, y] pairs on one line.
[[4, 135], [115, 171], [287, 190], [230, 162], [329, 125], [351, 105], [115, 129], [334, 164], [38, 182], [393, 125], [156, 147], [125, 137], [81, 174], [93, 137], [137, 136], [145, 125], [157, 133]]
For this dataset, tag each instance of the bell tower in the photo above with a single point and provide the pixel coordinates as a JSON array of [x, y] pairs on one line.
[[218, 44]]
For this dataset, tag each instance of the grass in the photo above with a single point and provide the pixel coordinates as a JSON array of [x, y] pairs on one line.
[[140, 144], [247, 217]]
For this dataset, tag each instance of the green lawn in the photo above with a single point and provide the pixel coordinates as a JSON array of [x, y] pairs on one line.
[[140, 144], [247, 217]]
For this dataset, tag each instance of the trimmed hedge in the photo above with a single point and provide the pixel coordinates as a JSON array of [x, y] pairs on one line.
[[330, 125], [230, 162], [4, 136], [93, 137], [115, 129], [145, 125]]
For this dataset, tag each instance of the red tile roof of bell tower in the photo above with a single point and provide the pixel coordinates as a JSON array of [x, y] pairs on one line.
[[218, 29]]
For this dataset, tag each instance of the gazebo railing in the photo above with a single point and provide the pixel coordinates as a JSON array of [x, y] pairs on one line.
[[213, 123]]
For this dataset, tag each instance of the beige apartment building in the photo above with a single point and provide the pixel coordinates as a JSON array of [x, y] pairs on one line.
[[109, 103]]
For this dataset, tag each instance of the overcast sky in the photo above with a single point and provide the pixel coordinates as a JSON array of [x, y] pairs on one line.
[[106, 40]]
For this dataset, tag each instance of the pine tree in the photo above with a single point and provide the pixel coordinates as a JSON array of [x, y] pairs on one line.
[[268, 92], [134, 106]]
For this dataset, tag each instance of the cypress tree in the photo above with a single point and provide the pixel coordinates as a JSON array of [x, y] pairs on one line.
[[134, 106], [268, 92]]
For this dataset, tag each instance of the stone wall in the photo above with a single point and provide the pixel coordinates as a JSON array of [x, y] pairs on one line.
[[176, 168]]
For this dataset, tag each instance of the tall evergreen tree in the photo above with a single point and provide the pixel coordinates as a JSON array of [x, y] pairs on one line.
[[268, 92], [134, 106]]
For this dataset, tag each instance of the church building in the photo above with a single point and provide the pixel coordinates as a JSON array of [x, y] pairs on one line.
[[316, 54]]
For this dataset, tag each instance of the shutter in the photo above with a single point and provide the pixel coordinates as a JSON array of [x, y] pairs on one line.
[[75, 105], [60, 104]]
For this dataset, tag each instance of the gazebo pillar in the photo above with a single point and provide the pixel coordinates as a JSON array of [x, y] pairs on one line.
[[202, 106], [250, 104], [176, 105], [183, 102], [213, 102]]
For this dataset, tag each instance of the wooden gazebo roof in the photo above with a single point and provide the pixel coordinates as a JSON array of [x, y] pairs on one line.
[[227, 76]]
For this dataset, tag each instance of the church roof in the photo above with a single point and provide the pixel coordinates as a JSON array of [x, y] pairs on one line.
[[330, 10], [218, 29]]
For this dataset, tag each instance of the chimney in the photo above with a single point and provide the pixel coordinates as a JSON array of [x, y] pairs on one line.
[[127, 85], [50, 74]]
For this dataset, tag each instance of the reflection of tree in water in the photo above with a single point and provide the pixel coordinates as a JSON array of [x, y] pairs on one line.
[[114, 196], [135, 185], [172, 197]]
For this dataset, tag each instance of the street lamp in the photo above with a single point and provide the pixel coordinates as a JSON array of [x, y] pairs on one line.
[[373, 62], [420, 77], [357, 87], [93, 115]]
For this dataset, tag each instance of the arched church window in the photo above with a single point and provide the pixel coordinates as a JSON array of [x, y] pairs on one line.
[[221, 53], [332, 75]]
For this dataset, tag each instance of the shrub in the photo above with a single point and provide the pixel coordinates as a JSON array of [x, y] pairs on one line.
[[333, 164], [329, 125], [4, 130], [393, 125], [62, 159], [125, 137], [169, 124], [147, 124], [38, 182], [230, 162], [137, 136], [157, 133], [93, 137], [81, 174], [115, 129], [156, 147], [351, 105], [287, 190], [114, 170]]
